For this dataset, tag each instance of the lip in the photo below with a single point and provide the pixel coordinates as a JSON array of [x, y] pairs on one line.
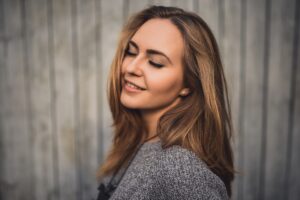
[[125, 80], [130, 89]]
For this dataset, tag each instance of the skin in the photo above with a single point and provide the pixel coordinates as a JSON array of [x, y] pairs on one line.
[[162, 85]]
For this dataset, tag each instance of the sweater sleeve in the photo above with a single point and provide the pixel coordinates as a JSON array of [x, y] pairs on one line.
[[185, 176]]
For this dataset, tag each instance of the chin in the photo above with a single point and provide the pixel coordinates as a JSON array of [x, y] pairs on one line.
[[129, 106], [129, 103]]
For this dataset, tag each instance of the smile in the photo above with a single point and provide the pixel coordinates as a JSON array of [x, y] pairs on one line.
[[131, 86]]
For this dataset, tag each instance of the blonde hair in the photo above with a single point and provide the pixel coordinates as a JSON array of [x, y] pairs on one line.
[[201, 122]]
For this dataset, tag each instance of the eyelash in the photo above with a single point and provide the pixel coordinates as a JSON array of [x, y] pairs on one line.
[[128, 53]]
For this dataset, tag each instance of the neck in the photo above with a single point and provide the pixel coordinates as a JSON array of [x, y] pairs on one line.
[[151, 121], [151, 118]]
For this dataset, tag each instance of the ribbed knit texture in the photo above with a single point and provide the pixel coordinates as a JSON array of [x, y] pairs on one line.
[[169, 174]]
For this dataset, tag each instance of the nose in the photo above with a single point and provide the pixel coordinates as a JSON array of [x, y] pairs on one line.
[[134, 66]]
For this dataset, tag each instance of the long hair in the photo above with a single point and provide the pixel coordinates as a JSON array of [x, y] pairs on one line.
[[201, 122]]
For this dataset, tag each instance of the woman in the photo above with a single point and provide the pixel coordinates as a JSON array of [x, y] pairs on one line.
[[169, 102]]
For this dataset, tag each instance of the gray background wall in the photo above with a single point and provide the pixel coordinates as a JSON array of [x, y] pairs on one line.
[[54, 118]]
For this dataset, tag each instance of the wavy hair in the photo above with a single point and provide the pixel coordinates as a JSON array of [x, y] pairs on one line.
[[201, 122]]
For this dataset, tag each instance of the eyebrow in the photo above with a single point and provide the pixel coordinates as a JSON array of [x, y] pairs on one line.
[[151, 51]]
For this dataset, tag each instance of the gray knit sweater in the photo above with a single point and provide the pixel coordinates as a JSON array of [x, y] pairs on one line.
[[172, 173]]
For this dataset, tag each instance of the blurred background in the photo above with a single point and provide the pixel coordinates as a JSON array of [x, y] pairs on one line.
[[54, 117]]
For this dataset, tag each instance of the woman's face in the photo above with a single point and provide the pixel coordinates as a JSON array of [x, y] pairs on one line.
[[152, 71]]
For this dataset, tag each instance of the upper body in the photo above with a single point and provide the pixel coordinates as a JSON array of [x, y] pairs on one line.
[[167, 81], [172, 173]]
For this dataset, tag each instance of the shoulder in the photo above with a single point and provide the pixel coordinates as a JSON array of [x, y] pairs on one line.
[[187, 177]]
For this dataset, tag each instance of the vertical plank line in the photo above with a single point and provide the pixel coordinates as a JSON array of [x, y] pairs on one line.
[[221, 26], [241, 112], [52, 79], [292, 102], [3, 37], [12, 192], [196, 6], [125, 10], [27, 78], [75, 60], [100, 149], [264, 143]]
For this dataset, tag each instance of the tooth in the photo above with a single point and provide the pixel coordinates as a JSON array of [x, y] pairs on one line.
[[133, 86]]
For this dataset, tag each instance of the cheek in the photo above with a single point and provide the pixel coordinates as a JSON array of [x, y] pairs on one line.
[[165, 83], [123, 65]]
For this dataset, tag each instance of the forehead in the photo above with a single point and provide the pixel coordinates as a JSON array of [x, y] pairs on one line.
[[160, 34]]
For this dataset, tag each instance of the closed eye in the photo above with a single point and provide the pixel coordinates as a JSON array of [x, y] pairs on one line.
[[127, 52], [156, 64]]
